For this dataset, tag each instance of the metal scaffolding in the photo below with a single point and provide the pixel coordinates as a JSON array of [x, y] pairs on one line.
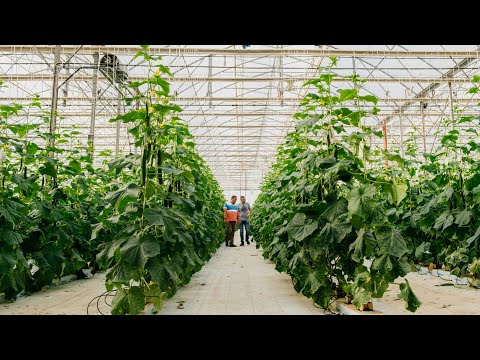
[[239, 102]]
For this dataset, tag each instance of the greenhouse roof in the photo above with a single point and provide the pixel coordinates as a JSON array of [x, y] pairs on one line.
[[239, 99]]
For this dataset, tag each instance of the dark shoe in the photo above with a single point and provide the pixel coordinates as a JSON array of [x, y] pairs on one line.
[[241, 244], [248, 242], [233, 245]]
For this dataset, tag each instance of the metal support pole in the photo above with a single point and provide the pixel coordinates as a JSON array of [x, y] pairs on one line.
[[424, 135], [117, 135], [402, 150], [209, 86], [91, 135], [56, 70], [450, 96], [385, 142]]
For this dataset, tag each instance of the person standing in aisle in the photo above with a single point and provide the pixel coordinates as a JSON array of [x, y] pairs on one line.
[[244, 211], [230, 216]]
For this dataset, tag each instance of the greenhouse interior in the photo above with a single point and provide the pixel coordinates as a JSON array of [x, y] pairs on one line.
[[239, 179]]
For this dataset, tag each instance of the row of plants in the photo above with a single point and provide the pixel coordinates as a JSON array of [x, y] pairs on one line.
[[322, 216], [49, 198], [440, 217], [150, 220], [165, 222], [339, 222]]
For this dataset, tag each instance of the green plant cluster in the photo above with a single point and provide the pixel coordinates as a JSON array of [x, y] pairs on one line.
[[49, 197], [322, 216], [161, 226]]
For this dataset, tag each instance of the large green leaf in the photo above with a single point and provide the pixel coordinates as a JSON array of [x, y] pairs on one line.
[[406, 293], [153, 294], [334, 232], [335, 207], [162, 273], [362, 246], [463, 217], [300, 227], [360, 200], [398, 191], [155, 216], [347, 94], [313, 282], [422, 249], [361, 297], [136, 251], [48, 169], [474, 237], [128, 301], [391, 241], [122, 272], [123, 196], [10, 237], [308, 122], [444, 220], [383, 264]]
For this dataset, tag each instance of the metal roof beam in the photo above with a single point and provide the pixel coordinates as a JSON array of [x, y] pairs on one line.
[[47, 77], [125, 50]]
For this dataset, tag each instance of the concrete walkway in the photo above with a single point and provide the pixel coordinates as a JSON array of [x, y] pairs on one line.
[[235, 281], [239, 281]]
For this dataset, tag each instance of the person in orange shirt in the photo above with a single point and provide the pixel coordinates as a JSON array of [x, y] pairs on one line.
[[230, 216]]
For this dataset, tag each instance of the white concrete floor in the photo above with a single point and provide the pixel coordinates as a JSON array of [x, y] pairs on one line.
[[239, 281], [235, 281]]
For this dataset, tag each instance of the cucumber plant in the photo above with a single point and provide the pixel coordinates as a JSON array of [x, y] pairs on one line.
[[322, 216], [167, 221]]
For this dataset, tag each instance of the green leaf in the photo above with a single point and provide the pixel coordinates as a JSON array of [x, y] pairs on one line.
[[120, 303], [357, 246], [369, 98], [75, 166], [444, 220], [48, 169], [347, 94], [123, 196], [391, 241], [128, 301], [155, 216], [383, 264], [423, 248], [335, 232], [153, 294], [474, 237], [136, 300], [122, 272], [163, 273], [398, 191], [10, 237], [299, 227], [308, 122], [313, 282], [163, 84], [335, 207], [32, 148], [137, 251], [463, 217], [362, 297], [406, 293], [378, 133], [360, 200]]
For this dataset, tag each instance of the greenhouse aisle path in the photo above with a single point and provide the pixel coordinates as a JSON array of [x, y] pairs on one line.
[[239, 281]]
